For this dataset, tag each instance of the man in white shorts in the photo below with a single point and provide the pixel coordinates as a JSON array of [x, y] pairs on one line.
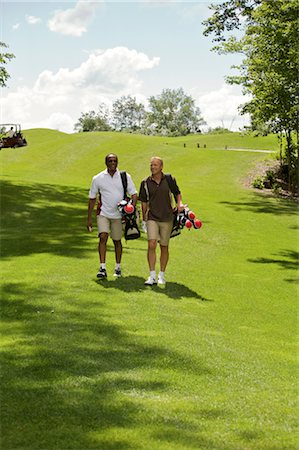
[[157, 212], [108, 186]]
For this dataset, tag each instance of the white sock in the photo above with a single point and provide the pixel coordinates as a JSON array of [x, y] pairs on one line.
[[153, 274], [117, 266], [161, 274], [103, 265]]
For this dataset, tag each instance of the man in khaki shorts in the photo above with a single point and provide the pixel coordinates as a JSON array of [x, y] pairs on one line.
[[157, 212], [108, 186]]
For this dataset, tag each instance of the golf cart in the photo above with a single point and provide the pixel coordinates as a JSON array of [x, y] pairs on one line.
[[11, 136]]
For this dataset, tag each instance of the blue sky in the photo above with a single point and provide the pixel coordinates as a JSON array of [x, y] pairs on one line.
[[71, 56]]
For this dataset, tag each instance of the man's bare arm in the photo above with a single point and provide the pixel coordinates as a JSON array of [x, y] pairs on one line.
[[91, 204]]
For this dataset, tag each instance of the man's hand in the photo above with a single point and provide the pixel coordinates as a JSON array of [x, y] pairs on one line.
[[181, 207], [143, 226], [89, 227]]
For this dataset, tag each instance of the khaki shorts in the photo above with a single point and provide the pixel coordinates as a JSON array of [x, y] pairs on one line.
[[159, 231], [112, 226]]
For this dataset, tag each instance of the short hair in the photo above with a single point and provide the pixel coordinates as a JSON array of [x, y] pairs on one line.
[[108, 156], [158, 158]]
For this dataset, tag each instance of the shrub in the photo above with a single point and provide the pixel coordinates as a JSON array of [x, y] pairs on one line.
[[258, 183], [270, 176]]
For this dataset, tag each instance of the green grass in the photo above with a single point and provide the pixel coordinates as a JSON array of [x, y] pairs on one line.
[[208, 362]]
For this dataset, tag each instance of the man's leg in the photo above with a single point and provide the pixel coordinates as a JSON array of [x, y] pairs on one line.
[[103, 247], [165, 230], [103, 232], [118, 251], [103, 237], [164, 257], [151, 254], [151, 258], [153, 237], [116, 235]]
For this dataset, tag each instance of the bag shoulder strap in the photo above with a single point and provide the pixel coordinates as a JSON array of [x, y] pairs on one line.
[[124, 181], [146, 189], [171, 185]]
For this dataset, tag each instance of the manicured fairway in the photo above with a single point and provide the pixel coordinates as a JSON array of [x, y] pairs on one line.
[[208, 362]]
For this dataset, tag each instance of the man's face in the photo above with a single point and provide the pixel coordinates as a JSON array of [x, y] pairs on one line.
[[112, 162], [156, 166]]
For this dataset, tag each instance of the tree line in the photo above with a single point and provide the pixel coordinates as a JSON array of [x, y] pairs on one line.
[[172, 113]]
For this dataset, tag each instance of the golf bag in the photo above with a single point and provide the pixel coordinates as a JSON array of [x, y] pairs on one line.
[[176, 228], [128, 212], [187, 219], [131, 228]]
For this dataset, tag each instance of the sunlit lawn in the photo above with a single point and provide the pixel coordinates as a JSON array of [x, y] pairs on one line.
[[208, 362]]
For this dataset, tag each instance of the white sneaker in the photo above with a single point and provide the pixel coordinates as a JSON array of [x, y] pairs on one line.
[[161, 279], [117, 273], [150, 281]]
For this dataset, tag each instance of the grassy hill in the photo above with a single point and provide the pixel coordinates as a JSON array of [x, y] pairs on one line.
[[61, 158], [209, 362]]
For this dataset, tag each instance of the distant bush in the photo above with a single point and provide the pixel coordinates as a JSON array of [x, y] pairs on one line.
[[269, 178], [218, 130], [278, 178], [258, 183]]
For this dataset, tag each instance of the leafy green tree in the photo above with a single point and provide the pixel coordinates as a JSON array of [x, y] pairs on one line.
[[269, 71], [92, 121], [173, 113], [228, 16], [127, 114], [4, 58]]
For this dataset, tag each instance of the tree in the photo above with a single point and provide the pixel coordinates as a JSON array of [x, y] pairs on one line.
[[228, 16], [127, 114], [269, 72], [92, 121], [173, 113], [4, 58]]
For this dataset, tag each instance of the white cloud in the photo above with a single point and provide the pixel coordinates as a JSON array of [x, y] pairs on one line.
[[16, 26], [57, 99], [220, 107], [32, 20], [73, 21], [58, 121], [106, 71]]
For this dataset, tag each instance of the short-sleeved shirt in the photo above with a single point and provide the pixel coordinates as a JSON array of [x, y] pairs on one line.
[[160, 200], [111, 190]]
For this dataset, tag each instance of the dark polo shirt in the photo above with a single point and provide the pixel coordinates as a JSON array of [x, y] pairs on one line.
[[160, 207]]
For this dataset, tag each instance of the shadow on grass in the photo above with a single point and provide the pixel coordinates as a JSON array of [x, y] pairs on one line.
[[289, 260], [262, 204], [41, 218], [136, 284], [186, 440], [172, 430], [72, 379]]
